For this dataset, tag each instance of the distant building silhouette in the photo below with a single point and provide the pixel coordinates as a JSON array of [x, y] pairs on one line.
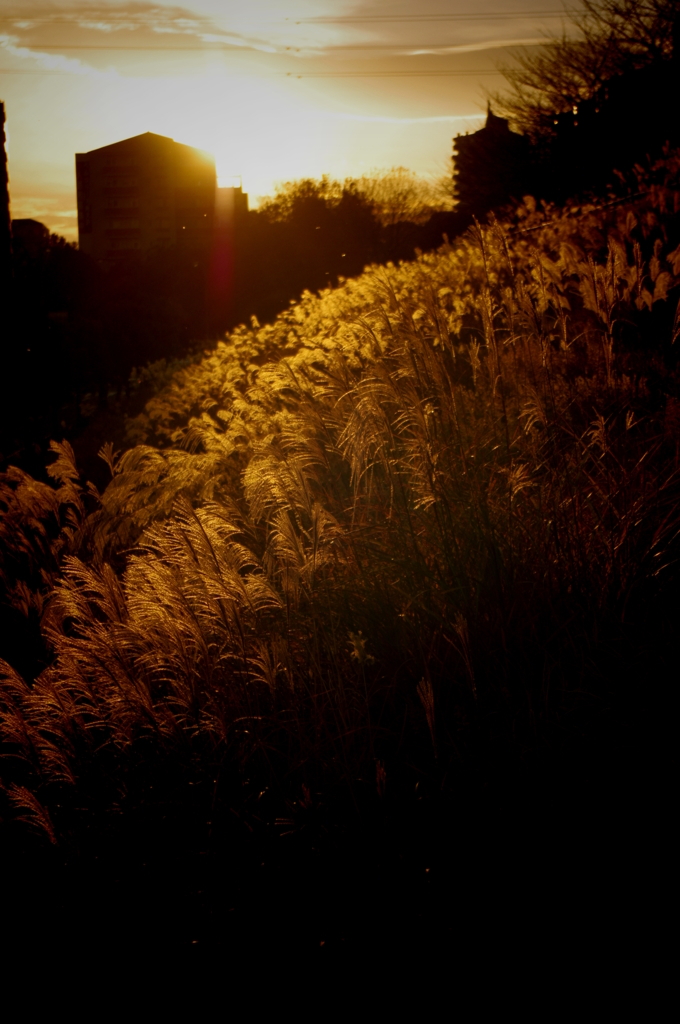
[[232, 200], [30, 235], [231, 210], [145, 192], [491, 167]]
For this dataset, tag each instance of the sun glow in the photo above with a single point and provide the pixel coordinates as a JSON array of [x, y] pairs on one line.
[[257, 129], [263, 129]]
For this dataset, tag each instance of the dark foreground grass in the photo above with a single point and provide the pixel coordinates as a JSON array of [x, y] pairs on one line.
[[553, 869]]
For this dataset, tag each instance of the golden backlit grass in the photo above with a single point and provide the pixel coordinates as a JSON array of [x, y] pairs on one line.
[[347, 542]]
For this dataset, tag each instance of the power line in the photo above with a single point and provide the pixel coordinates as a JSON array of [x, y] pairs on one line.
[[389, 74], [402, 47], [307, 74], [220, 47], [463, 16]]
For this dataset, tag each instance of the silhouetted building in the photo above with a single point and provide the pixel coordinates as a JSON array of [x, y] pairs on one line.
[[145, 192], [5, 230], [491, 167]]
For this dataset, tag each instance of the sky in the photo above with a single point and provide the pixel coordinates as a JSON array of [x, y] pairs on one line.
[[275, 89]]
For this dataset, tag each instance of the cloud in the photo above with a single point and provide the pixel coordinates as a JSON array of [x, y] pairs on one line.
[[139, 24], [52, 61], [134, 24], [491, 44]]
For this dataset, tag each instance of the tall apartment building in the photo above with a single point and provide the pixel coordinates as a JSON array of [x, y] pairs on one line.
[[5, 226], [144, 192]]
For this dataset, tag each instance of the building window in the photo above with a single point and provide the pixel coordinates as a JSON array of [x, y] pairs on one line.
[[123, 222], [125, 203]]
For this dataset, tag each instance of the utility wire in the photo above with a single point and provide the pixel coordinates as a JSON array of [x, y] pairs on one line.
[[388, 74], [308, 74], [219, 47], [463, 16], [321, 20]]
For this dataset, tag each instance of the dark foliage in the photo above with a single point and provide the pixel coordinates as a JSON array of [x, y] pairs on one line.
[[317, 232], [588, 144], [584, 111]]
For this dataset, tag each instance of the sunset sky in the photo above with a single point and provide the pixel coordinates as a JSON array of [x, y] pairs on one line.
[[275, 89]]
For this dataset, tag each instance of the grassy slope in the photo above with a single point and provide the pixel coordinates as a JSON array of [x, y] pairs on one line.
[[420, 529]]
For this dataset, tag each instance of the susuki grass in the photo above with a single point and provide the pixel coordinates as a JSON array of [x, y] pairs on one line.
[[394, 533]]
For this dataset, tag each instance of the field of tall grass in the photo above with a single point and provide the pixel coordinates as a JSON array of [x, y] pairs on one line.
[[417, 529]]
